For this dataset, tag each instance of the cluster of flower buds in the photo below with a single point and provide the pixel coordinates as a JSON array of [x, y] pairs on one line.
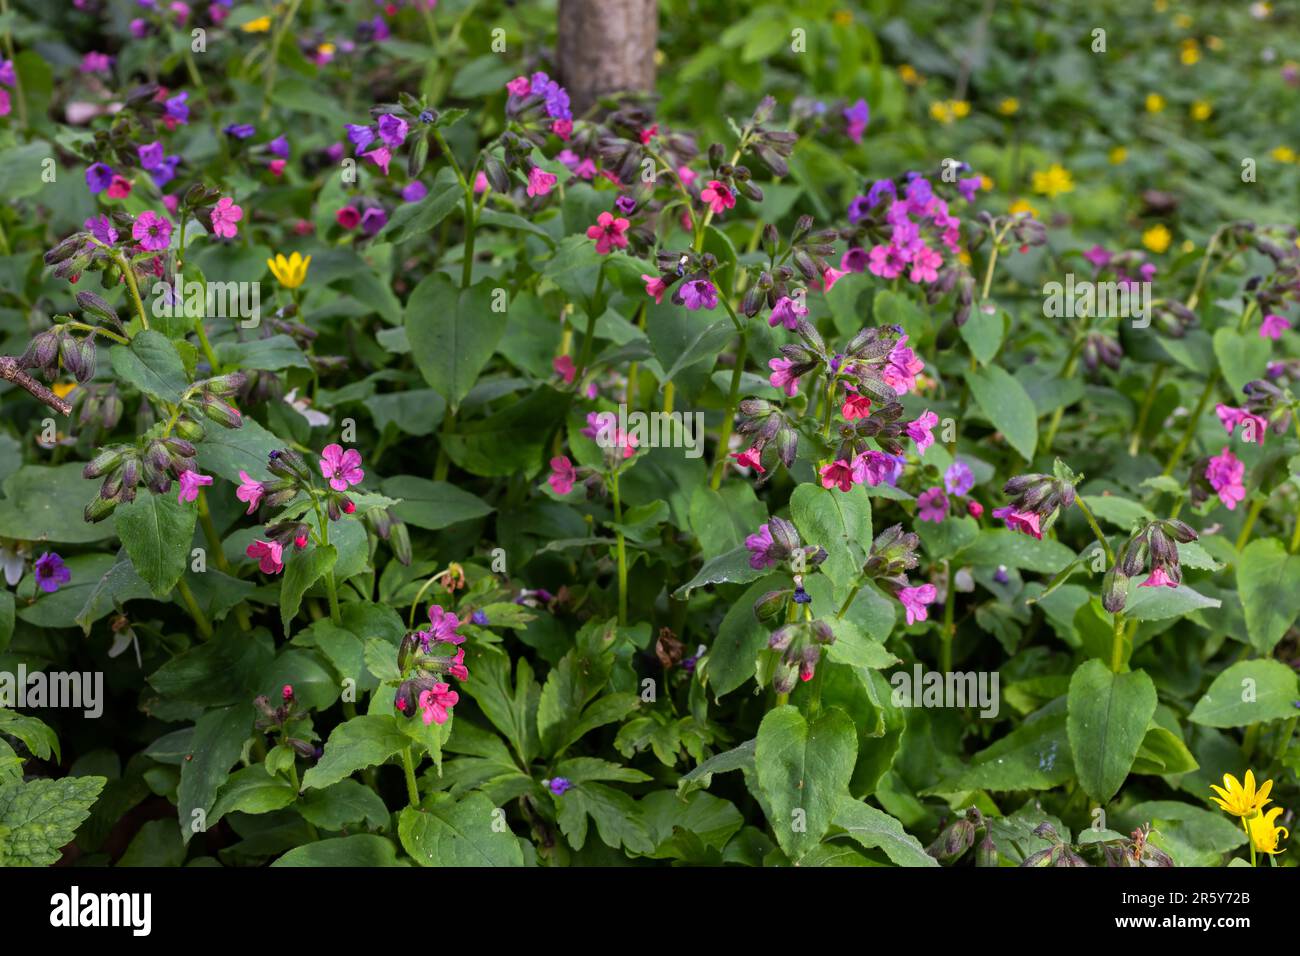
[[209, 399], [809, 249], [692, 269], [57, 346], [1059, 853], [1172, 318], [953, 275], [1156, 544], [729, 176], [870, 362], [285, 533], [770, 286], [151, 463], [423, 685], [1267, 406], [800, 646], [954, 841], [1036, 502], [96, 311], [764, 425], [1101, 349], [390, 528], [98, 405], [772, 147], [776, 542], [278, 718], [892, 555], [1136, 850], [882, 424]]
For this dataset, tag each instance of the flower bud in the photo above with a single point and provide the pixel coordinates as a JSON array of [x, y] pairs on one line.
[[1114, 591], [770, 607], [400, 541], [105, 460], [782, 637], [99, 508]]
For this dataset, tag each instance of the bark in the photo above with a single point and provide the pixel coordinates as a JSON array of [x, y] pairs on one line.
[[606, 46], [11, 372]]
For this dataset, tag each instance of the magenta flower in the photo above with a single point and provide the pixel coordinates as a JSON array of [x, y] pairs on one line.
[[857, 117], [152, 231], [381, 157], [392, 130], [457, 668], [886, 261], [435, 701], [563, 366], [919, 430], [268, 554], [1098, 256], [1252, 426], [51, 572], [190, 482], [1224, 473], [1273, 326], [875, 467], [925, 265], [224, 216], [101, 227], [750, 458], [1023, 521], [655, 287], [855, 406], [442, 629], [1158, 579], [609, 233], [699, 294], [718, 197], [932, 505], [250, 491], [831, 276], [781, 377], [839, 474], [787, 312], [958, 479], [563, 475], [855, 259], [540, 181], [914, 601], [902, 368], [761, 547], [519, 86], [342, 468]]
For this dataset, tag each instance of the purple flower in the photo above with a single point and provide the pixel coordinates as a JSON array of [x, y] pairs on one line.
[[559, 785], [279, 147], [152, 231], [392, 130], [51, 572], [968, 188], [177, 109], [932, 505], [859, 209], [98, 176], [240, 130], [857, 116], [1098, 256], [878, 189], [414, 191], [360, 136], [626, 205], [7, 75], [479, 619], [373, 219], [102, 229], [151, 156], [761, 548], [699, 294], [958, 479], [786, 312], [919, 194]]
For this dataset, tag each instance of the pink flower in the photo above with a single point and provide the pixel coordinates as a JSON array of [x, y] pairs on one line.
[[925, 265], [914, 601], [191, 481], [540, 182], [277, 167], [830, 277], [6, 107], [655, 287], [1253, 426], [874, 467], [1158, 579], [563, 367], [687, 175], [839, 474], [1023, 521], [563, 475], [457, 668], [781, 377], [919, 430], [609, 233], [519, 86], [760, 548], [974, 509], [718, 197], [381, 157], [932, 505], [443, 627], [224, 216], [152, 231], [435, 701], [787, 312], [886, 261], [1273, 326], [750, 458], [902, 368], [480, 183], [119, 188], [563, 128], [1225, 472], [269, 555], [250, 491], [855, 406], [342, 468], [348, 217]]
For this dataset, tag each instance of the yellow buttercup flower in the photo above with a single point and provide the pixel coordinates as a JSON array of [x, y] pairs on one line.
[[1265, 833], [1022, 205], [964, 257], [1009, 106], [843, 18], [1157, 239], [941, 111], [1201, 111], [1155, 103], [986, 182], [326, 49], [1183, 21], [1117, 155], [63, 389], [1189, 246], [291, 272], [907, 73], [1053, 181], [1283, 154], [1242, 799], [960, 108], [260, 25], [1190, 53]]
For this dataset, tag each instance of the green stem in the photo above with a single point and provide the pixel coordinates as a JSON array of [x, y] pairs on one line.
[[733, 396], [1256, 507], [273, 58], [196, 612], [408, 765], [1096, 529], [1190, 431], [1144, 412], [1117, 643], [622, 550], [949, 629]]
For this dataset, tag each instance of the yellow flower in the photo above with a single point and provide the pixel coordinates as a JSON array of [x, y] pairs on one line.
[[1183, 21], [1283, 154], [1157, 239], [1009, 106], [959, 108], [1155, 103], [1053, 181], [907, 73], [326, 49], [291, 272], [843, 18], [1242, 800], [260, 25], [63, 389], [1201, 111], [1022, 205], [941, 111], [1189, 246], [964, 257], [660, 57], [1265, 833], [1117, 155], [986, 182], [1190, 53]]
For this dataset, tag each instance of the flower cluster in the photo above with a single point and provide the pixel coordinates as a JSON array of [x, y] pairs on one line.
[[422, 686]]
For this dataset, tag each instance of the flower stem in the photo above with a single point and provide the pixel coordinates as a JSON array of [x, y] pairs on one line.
[[724, 437], [408, 765], [622, 550], [1145, 411], [949, 630], [196, 612], [1256, 507], [1096, 529], [273, 58]]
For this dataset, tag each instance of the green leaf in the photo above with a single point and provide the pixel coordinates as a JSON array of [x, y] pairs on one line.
[[803, 770], [453, 333], [39, 817], [1268, 583], [45, 504], [738, 758], [1034, 756], [413, 219], [875, 829], [343, 804], [838, 521], [156, 531], [1249, 692], [1006, 404], [251, 790], [1016, 550], [1108, 718], [218, 741], [1242, 356], [228, 451], [362, 849], [448, 832], [1158, 604], [617, 816], [301, 571], [358, 743], [433, 505], [983, 333], [729, 568], [151, 364], [270, 354]]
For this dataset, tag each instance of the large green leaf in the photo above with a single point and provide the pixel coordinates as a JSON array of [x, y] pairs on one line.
[[45, 504], [453, 333], [875, 829], [1108, 717], [1249, 692], [471, 831], [838, 521], [433, 504], [1007, 405], [152, 364], [354, 745], [156, 531], [358, 850], [218, 741], [301, 571], [1242, 356], [40, 817], [1268, 583]]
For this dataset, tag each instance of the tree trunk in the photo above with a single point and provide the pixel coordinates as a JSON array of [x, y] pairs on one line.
[[606, 46]]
